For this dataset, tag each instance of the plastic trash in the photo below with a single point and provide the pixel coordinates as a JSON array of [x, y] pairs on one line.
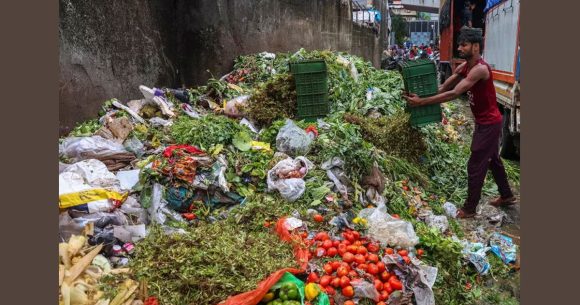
[[102, 262], [292, 140], [450, 209], [94, 173], [476, 255], [132, 208], [503, 247], [335, 172], [155, 121], [130, 233], [155, 96], [391, 231], [159, 211], [187, 109], [364, 289], [128, 179], [292, 223], [249, 124], [135, 146], [234, 106], [113, 154], [287, 177], [437, 221], [135, 116]]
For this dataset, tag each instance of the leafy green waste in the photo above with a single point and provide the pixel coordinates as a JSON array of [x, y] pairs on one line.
[[208, 263], [206, 132]]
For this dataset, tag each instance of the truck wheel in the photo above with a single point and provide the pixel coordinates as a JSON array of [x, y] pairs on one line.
[[507, 147]]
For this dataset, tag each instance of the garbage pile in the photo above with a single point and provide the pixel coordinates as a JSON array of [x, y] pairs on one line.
[[220, 194]]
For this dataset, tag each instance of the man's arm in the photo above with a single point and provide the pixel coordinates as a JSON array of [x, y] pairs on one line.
[[477, 73], [451, 81]]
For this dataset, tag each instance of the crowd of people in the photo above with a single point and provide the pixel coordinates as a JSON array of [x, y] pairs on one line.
[[409, 51]]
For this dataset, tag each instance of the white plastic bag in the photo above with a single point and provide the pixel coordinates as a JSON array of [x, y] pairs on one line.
[[391, 231], [364, 289], [450, 209], [155, 96], [292, 140], [437, 221], [290, 188], [94, 147], [233, 106]]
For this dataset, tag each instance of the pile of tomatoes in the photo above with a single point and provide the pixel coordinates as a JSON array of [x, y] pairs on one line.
[[238, 76], [356, 259]]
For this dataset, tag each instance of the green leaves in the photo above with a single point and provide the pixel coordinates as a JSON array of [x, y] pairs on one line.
[[242, 141]]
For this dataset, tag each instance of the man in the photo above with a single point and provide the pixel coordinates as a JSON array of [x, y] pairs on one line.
[[467, 18], [474, 77]]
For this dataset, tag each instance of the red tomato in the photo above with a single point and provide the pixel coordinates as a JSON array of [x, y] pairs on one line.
[[325, 280], [335, 282], [320, 252], [363, 267], [321, 236], [344, 281], [345, 265], [335, 243], [381, 266], [349, 237], [389, 251], [318, 218], [378, 285], [373, 269], [348, 257], [395, 283], [385, 275], [384, 296], [373, 258], [353, 274], [387, 287], [352, 249], [359, 259], [405, 188], [407, 260], [396, 216], [341, 271], [356, 235], [348, 302], [420, 252], [361, 250], [381, 303], [341, 249], [403, 252], [372, 247], [330, 290], [328, 269], [331, 252], [313, 278], [348, 291], [327, 244], [335, 264], [346, 242], [357, 243]]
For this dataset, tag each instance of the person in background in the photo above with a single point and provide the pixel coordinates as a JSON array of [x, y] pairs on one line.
[[429, 51], [474, 78], [467, 18]]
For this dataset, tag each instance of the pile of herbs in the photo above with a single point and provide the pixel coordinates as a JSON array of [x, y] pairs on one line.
[[206, 132], [273, 100], [208, 263]]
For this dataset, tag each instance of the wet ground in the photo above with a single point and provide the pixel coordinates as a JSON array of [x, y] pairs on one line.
[[490, 219]]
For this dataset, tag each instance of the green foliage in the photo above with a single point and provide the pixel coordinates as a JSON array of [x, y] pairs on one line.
[[206, 132]]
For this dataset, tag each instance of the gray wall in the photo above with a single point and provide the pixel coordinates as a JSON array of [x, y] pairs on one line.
[[108, 48]]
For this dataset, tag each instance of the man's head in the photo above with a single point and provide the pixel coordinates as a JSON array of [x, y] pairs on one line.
[[470, 42], [470, 4]]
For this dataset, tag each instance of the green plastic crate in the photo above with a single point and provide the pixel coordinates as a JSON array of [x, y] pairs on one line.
[[311, 79], [420, 77]]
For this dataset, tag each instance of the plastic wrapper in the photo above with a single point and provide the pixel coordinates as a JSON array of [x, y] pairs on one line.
[[450, 209], [503, 247], [234, 106], [132, 113], [159, 212], [135, 146], [293, 187], [476, 255], [155, 96], [160, 122], [364, 289], [128, 179], [437, 221], [187, 109], [292, 140], [132, 208], [391, 231], [335, 171]]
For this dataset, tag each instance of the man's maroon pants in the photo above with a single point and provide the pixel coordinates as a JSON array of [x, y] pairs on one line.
[[484, 156]]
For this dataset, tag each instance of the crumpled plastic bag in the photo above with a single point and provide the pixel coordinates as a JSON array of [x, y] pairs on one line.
[[287, 177], [74, 225], [155, 96], [159, 212], [418, 276], [450, 209], [364, 289], [234, 106], [135, 146], [113, 154], [503, 247], [388, 230], [292, 140], [335, 171], [160, 122], [476, 254], [437, 221]]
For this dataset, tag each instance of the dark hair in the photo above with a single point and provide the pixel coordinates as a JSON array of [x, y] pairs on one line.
[[471, 35]]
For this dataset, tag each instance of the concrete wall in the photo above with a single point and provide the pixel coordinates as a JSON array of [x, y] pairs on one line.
[[108, 48]]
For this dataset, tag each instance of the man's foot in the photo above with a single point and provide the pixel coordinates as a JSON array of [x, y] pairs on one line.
[[461, 213], [503, 202]]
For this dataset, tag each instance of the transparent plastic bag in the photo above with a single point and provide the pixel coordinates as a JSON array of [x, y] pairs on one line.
[[391, 231], [135, 146], [290, 188], [437, 221], [292, 140], [450, 209], [234, 106], [94, 147]]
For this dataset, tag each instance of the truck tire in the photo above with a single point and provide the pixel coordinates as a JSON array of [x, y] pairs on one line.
[[507, 147]]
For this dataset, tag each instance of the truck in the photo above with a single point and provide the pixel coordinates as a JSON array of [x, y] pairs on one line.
[[500, 22]]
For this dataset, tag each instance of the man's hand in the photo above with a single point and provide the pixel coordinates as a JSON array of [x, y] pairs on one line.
[[413, 99]]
